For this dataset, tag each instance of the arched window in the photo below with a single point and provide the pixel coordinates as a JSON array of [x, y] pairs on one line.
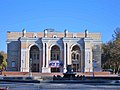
[[55, 53], [54, 36], [76, 58], [72, 56], [55, 59], [34, 55]]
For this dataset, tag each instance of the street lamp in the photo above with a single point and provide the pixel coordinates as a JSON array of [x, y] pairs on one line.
[[30, 67]]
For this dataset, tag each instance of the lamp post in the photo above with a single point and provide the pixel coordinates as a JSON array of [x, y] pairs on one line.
[[30, 68]]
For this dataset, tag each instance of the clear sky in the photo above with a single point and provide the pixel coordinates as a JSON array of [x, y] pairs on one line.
[[75, 15]]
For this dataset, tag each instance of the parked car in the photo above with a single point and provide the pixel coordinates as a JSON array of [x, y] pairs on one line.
[[108, 70]]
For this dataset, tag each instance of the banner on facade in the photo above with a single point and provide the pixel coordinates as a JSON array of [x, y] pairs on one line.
[[55, 64]]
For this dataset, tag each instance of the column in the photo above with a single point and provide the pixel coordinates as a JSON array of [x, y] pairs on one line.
[[64, 57], [68, 55], [40, 61], [61, 54], [49, 56], [43, 55], [82, 62], [23, 61], [88, 55], [87, 61], [45, 68], [47, 63]]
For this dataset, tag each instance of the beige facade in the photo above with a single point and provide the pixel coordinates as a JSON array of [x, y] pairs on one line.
[[51, 51]]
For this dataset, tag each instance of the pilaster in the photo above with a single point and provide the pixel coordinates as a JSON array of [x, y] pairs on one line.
[[68, 54], [65, 57], [40, 61], [43, 55], [45, 68], [24, 64], [47, 63], [88, 55]]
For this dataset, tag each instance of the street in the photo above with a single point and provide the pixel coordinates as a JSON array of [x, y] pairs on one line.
[[51, 86]]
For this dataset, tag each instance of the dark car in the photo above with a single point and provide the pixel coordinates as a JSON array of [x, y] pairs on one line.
[[108, 70]]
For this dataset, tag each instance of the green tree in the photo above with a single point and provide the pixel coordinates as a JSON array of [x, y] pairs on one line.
[[106, 55], [1, 58], [116, 50], [111, 53], [3, 62]]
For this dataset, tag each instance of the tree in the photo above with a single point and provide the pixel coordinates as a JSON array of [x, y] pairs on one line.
[[106, 55], [3, 62], [111, 53], [115, 50], [1, 58]]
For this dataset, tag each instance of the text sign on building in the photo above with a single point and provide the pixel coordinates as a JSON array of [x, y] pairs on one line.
[[55, 64]]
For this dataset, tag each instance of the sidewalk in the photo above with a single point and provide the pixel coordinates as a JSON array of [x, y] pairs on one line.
[[34, 74]]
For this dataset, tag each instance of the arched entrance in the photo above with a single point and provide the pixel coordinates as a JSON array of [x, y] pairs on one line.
[[35, 57], [55, 59], [76, 58]]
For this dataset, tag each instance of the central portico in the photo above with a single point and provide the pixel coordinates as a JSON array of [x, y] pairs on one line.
[[52, 55]]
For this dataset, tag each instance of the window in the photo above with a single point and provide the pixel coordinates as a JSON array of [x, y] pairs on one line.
[[74, 56], [34, 56], [57, 56], [13, 64], [54, 36], [54, 57], [55, 53], [77, 57], [37, 56]]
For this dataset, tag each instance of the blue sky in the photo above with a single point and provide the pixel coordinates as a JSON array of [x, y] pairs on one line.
[[75, 15]]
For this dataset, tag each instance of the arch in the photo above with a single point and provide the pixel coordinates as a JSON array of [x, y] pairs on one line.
[[55, 52], [54, 36], [56, 45], [34, 57], [77, 45], [59, 47], [76, 58], [55, 57], [33, 45]]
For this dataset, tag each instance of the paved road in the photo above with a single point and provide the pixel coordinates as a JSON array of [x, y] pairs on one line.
[[51, 86]]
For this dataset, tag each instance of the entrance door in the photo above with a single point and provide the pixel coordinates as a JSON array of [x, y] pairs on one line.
[[76, 58], [55, 57], [75, 67]]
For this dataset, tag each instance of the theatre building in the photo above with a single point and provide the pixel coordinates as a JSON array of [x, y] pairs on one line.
[[51, 51]]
